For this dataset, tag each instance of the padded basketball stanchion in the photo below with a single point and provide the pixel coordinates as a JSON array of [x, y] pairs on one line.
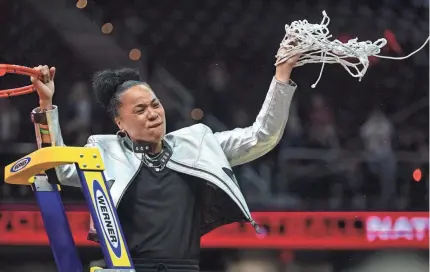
[[89, 165]]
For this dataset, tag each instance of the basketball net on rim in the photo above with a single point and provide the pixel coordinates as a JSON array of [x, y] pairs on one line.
[[312, 42]]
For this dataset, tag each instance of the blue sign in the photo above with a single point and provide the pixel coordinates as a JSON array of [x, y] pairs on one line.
[[21, 164]]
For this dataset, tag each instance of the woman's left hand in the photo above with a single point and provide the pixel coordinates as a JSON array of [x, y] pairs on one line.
[[283, 70]]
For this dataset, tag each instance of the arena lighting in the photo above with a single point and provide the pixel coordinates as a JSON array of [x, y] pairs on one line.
[[81, 4], [197, 114], [417, 175], [135, 54], [107, 28]]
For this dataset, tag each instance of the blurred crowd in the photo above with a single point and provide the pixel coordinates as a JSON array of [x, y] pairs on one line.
[[347, 144]]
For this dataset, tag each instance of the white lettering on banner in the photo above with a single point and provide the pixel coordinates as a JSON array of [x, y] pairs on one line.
[[422, 225], [403, 227]]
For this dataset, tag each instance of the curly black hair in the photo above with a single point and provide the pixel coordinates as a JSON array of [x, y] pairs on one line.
[[109, 84]]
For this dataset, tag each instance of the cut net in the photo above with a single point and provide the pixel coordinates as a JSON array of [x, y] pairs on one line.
[[313, 42]]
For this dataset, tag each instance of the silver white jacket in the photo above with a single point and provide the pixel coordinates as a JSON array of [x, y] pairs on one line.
[[199, 152]]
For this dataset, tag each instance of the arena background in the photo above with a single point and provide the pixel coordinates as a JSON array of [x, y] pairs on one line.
[[212, 61]]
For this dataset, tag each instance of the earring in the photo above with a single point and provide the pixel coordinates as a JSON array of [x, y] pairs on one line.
[[121, 133]]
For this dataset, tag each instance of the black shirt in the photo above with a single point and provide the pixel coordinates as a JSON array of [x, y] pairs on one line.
[[160, 215]]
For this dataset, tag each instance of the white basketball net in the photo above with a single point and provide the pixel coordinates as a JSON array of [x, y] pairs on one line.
[[313, 42]]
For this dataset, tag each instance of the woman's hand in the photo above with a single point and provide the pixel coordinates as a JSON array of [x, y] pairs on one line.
[[283, 70], [45, 86]]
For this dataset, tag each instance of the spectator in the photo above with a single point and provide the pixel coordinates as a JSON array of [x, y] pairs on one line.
[[216, 99], [376, 134], [80, 107], [218, 77], [293, 132], [322, 131], [9, 121]]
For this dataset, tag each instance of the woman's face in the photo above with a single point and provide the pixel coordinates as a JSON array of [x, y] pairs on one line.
[[141, 115]]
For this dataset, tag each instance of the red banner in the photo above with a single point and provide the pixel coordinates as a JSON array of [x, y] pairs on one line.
[[296, 230]]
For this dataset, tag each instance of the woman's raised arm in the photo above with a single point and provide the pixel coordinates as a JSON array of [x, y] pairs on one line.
[[47, 125]]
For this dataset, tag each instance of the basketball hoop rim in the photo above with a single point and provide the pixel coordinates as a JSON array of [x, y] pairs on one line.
[[19, 70]]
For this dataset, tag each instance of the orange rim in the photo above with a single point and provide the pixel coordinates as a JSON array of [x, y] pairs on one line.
[[19, 70]]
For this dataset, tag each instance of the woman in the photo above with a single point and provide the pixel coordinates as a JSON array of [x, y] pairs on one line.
[[170, 189]]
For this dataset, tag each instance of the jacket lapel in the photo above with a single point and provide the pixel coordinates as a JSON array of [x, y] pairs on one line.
[[123, 178]]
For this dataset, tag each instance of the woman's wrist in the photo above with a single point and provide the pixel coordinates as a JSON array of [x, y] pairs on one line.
[[283, 74], [45, 105]]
